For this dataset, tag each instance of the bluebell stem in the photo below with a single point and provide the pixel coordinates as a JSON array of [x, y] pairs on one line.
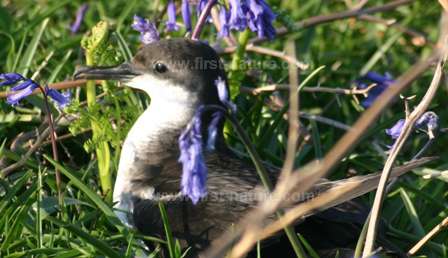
[[148, 31], [382, 83], [186, 14], [171, 11], [194, 170], [200, 6], [79, 18], [212, 130]]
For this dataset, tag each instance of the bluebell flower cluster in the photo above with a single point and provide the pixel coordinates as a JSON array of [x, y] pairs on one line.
[[256, 15], [147, 29], [24, 87], [79, 18], [194, 170], [428, 121], [382, 83]]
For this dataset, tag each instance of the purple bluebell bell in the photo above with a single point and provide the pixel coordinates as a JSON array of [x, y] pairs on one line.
[[224, 23], [62, 99], [148, 31], [25, 88], [186, 14], [21, 91], [382, 83], [10, 78], [223, 94], [194, 170], [260, 17], [395, 131], [429, 120], [237, 19], [79, 18], [171, 11]]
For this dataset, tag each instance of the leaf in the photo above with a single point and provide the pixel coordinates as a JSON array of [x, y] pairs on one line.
[[100, 245]]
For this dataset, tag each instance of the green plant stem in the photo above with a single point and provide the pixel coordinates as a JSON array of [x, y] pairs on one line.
[[262, 172], [235, 72], [103, 150]]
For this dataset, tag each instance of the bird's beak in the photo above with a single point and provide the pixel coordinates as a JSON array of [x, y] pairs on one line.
[[124, 72]]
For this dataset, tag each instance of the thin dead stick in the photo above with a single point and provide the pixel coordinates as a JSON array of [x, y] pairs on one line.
[[321, 19], [344, 191], [310, 173], [410, 121], [418, 38], [282, 55], [315, 89], [6, 171], [437, 229]]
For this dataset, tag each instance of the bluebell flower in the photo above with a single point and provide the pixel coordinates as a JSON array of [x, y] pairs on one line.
[[186, 15], [260, 18], [21, 91], [429, 120], [62, 99], [25, 87], [237, 18], [171, 23], [194, 170], [382, 83], [10, 78], [223, 94], [148, 31], [395, 131], [224, 23], [79, 18]]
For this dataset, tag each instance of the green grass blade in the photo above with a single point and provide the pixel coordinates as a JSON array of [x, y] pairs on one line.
[[100, 245]]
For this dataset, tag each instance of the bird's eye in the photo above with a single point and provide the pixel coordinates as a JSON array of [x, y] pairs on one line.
[[160, 68]]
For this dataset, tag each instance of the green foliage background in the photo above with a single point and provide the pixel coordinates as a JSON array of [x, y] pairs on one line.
[[33, 225]]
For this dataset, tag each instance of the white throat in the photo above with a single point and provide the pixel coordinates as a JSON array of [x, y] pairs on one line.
[[171, 107]]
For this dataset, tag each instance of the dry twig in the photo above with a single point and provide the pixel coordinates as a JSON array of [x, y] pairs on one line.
[[410, 121]]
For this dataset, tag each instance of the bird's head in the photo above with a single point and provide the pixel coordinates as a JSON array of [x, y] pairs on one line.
[[170, 70]]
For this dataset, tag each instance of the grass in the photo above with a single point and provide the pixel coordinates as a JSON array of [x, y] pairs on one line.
[[34, 225]]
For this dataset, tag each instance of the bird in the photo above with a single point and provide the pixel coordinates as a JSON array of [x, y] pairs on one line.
[[179, 76]]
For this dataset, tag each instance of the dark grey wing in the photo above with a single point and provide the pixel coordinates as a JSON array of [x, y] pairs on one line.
[[232, 186]]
